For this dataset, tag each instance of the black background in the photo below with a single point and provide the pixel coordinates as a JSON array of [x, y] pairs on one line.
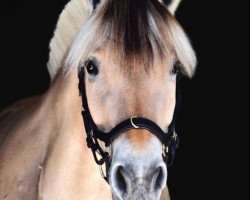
[[212, 162]]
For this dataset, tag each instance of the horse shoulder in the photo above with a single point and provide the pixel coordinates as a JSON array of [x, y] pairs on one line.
[[21, 150]]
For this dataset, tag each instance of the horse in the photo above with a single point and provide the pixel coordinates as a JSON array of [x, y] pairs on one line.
[[114, 67]]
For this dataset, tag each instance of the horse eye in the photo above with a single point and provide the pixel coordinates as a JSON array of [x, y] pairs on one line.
[[176, 68], [92, 68]]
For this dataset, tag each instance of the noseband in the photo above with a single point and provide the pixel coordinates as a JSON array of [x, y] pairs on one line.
[[169, 140]]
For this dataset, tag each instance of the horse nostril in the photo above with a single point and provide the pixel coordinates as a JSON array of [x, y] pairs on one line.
[[120, 181], [159, 178]]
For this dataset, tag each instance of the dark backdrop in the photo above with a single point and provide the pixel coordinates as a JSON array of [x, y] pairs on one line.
[[212, 162]]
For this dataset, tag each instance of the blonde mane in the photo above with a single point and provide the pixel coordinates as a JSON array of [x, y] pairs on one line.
[[70, 21]]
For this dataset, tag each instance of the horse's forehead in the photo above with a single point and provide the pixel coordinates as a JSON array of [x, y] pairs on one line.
[[133, 69]]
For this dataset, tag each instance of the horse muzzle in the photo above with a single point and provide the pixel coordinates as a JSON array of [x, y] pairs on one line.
[[142, 175]]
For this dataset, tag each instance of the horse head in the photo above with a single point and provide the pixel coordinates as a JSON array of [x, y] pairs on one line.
[[128, 54]]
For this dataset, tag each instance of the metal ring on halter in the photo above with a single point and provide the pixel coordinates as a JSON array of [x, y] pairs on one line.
[[175, 136], [165, 150], [101, 171], [132, 122]]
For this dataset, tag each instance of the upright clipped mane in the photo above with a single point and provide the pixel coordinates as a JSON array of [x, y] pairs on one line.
[[134, 28], [70, 21]]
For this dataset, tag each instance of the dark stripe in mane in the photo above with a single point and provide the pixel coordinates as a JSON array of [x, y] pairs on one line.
[[129, 24]]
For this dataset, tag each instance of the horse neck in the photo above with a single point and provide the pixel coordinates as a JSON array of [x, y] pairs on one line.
[[62, 106], [69, 157], [63, 99]]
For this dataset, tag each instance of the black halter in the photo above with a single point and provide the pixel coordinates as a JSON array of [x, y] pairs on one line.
[[169, 140]]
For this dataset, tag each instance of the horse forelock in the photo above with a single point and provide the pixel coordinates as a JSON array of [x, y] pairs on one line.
[[136, 29]]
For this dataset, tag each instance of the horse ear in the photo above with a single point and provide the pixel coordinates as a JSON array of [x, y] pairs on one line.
[[171, 4], [95, 3]]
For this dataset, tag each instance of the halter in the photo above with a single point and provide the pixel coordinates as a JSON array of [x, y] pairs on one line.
[[169, 140]]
